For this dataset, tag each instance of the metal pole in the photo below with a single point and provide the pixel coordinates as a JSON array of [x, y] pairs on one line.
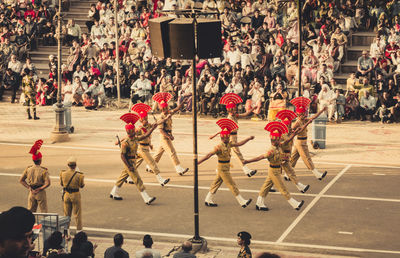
[[59, 133], [117, 51], [195, 155], [300, 37]]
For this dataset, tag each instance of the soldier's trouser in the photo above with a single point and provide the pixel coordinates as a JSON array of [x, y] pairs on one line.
[[72, 205], [274, 178], [166, 145], [144, 153], [301, 150], [135, 178], [236, 150], [289, 171], [224, 176], [35, 200], [30, 103]]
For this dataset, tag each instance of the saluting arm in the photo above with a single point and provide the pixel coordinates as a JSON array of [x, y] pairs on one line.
[[213, 136], [148, 133], [206, 157], [173, 111], [253, 159], [315, 116], [242, 142]]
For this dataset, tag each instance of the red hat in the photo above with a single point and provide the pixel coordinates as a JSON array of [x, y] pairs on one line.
[[162, 98], [130, 119], [230, 100], [142, 109], [276, 129], [36, 155], [286, 116], [301, 104], [227, 126]]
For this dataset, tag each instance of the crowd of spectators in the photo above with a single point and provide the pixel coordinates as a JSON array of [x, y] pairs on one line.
[[259, 62]]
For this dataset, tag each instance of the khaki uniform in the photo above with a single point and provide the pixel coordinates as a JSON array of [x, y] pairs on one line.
[[72, 196], [286, 152], [223, 152], [166, 143], [129, 150], [144, 150], [301, 147], [28, 87], [234, 137], [36, 176], [274, 173]]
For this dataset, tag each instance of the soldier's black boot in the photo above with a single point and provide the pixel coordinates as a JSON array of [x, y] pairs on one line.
[[29, 114], [35, 116]]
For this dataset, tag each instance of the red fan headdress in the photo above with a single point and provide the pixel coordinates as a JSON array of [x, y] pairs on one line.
[[230, 100], [162, 98], [227, 126], [36, 155], [276, 129], [286, 116], [301, 104], [130, 119], [142, 109]]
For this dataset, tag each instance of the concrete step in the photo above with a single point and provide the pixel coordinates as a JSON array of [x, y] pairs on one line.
[[7, 96], [76, 16], [363, 38], [349, 67], [354, 52], [341, 78]]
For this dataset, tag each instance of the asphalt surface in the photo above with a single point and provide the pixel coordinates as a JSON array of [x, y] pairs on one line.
[[353, 211]]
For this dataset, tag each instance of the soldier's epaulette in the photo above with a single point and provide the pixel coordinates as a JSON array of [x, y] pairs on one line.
[[29, 166], [78, 172], [44, 168]]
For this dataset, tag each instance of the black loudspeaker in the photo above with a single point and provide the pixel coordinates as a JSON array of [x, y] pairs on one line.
[[181, 38], [209, 38], [159, 36]]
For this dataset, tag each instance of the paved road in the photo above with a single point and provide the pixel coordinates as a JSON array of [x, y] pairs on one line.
[[353, 211]]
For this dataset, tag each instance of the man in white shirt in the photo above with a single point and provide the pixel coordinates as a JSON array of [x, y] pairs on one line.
[[140, 89], [367, 105], [78, 72], [210, 96], [234, 87], [234, 56], [78, 89], [325, 73], [96, 92], [377, 47], [327, 98], [148, 242]]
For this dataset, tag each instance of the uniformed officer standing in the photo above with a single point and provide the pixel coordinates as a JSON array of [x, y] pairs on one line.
[[166, 136], [244, 242], [231, 100], [72, 180], [129, 156], [274, 171], [28, 86], [300, 144], [223, 151], [145, 144], [36, 179]]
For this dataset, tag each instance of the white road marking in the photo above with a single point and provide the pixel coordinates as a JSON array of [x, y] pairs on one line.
[[345, 233], [116, 149], [313, 202], [206, 188], [378, 174], [233, 240]]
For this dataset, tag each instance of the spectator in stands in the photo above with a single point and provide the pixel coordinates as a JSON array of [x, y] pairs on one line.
[[10, 82], [78, 89], [384, 113], [95, 94], [118, 242], [148, 243], [365, 65], [327, 99], [367, 106], [340, 105], [21, 44], [140, 89], [16, 237], [53, 244], [351, 107], [73, 32], [257, 95]]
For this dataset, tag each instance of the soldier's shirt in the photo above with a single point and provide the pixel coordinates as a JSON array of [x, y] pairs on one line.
[[300, 123], [223, 151], [77, 181], [129, 147], [142, 131], [244, 252], [36, 175], [167, 125], [28, 86], [234, 118], [287, 147], [274, 156]]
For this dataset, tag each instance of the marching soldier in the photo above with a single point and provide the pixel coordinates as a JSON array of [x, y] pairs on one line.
[[28, 86], [274, 171], [145, 144], [300, 144], [166, 136], [36, 179], [129, 156], [286, 116], [223, 151], [72, 180], [231, 100]]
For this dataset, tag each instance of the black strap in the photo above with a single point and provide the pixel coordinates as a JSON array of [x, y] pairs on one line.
[[69, 182]]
